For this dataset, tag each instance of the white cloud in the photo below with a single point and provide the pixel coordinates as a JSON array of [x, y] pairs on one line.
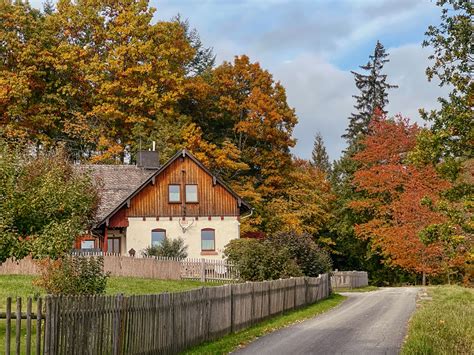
[[407, 69], [322, 94]]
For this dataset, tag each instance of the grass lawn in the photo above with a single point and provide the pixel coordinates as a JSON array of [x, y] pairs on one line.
[[22, 286], [232, 341], [443, 325], [358, 289]]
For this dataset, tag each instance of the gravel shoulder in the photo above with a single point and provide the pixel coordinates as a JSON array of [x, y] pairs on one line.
[[366, 323]]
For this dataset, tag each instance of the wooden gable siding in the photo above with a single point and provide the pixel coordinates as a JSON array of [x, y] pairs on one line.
[[213, 200]]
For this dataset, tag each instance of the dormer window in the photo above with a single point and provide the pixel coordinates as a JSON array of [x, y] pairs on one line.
[[174, 193], [191, 193]]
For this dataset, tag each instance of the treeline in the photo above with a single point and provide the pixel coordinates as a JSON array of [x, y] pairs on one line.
[[102, 80]]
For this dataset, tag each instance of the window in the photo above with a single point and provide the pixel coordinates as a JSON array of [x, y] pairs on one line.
[[87, 244], [157, 236], [113, 245], [208, 239], [174, 193], [191, 193]]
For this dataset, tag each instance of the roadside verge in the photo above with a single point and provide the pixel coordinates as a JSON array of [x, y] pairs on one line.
[[233, 341], [443, 322]]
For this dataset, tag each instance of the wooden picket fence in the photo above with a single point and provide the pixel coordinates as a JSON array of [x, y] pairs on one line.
[[349, 279], [164, 323], [32, 326], [208, 270], [146, 267]]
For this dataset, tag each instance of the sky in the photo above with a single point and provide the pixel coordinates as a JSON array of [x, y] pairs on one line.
[[312, 45]]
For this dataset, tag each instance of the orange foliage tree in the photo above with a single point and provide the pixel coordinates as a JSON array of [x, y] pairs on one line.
[[398, 197]]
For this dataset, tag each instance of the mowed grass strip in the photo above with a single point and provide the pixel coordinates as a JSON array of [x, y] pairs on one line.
[[233, 341], [444, 325]]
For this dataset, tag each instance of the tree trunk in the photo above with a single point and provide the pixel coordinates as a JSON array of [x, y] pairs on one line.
[[423, 282]]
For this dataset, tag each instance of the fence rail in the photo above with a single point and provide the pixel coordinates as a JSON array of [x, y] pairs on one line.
[[163, 323]]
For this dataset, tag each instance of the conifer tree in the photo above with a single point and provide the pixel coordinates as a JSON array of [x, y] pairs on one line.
[[319, 155], [372, 95]]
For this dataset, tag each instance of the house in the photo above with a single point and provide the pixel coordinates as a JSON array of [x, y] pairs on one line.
[[142, 204]]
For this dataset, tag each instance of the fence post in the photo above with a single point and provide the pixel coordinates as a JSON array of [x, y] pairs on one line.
[[117, 333], [203, 270], [231, 308], [8, 323], [39, 319], [306, 287], [18, 325]]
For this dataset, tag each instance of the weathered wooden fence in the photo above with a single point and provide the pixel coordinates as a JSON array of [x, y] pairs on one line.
[[165, 323], [150, 267], [349, 279], [24, 329]]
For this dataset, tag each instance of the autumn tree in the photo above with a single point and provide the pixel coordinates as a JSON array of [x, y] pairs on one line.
[[28, 103], [239, 109], [304, 206], [98, 76], [397, 195], [373, 93], [319, 155], [352, 252]]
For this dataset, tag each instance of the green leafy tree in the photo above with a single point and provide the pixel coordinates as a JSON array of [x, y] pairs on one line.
[[44, 204], [452, 133], [449, 142], [319, 155]]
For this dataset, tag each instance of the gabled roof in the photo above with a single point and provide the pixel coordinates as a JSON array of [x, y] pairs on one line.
[[118, 184]]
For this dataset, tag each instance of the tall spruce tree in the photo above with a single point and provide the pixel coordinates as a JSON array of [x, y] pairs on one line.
[[351, 252], [319, 155], [373, 95]]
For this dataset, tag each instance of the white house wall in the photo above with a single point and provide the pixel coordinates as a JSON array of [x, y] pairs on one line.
[[138, 235]]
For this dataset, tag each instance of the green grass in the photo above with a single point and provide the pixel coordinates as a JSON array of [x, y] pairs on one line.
[[22, 286], [358, 289], [232, 341], [444, 325]]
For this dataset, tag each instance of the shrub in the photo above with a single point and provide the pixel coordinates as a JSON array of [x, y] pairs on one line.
[[311, 259], [257, 260], [170, 248], [281, 255], [73, 276]]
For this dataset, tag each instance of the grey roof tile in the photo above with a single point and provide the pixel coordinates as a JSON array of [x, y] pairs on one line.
[[115, 183]]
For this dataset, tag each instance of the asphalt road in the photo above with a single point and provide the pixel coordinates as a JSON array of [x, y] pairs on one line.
[[366, 323]]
